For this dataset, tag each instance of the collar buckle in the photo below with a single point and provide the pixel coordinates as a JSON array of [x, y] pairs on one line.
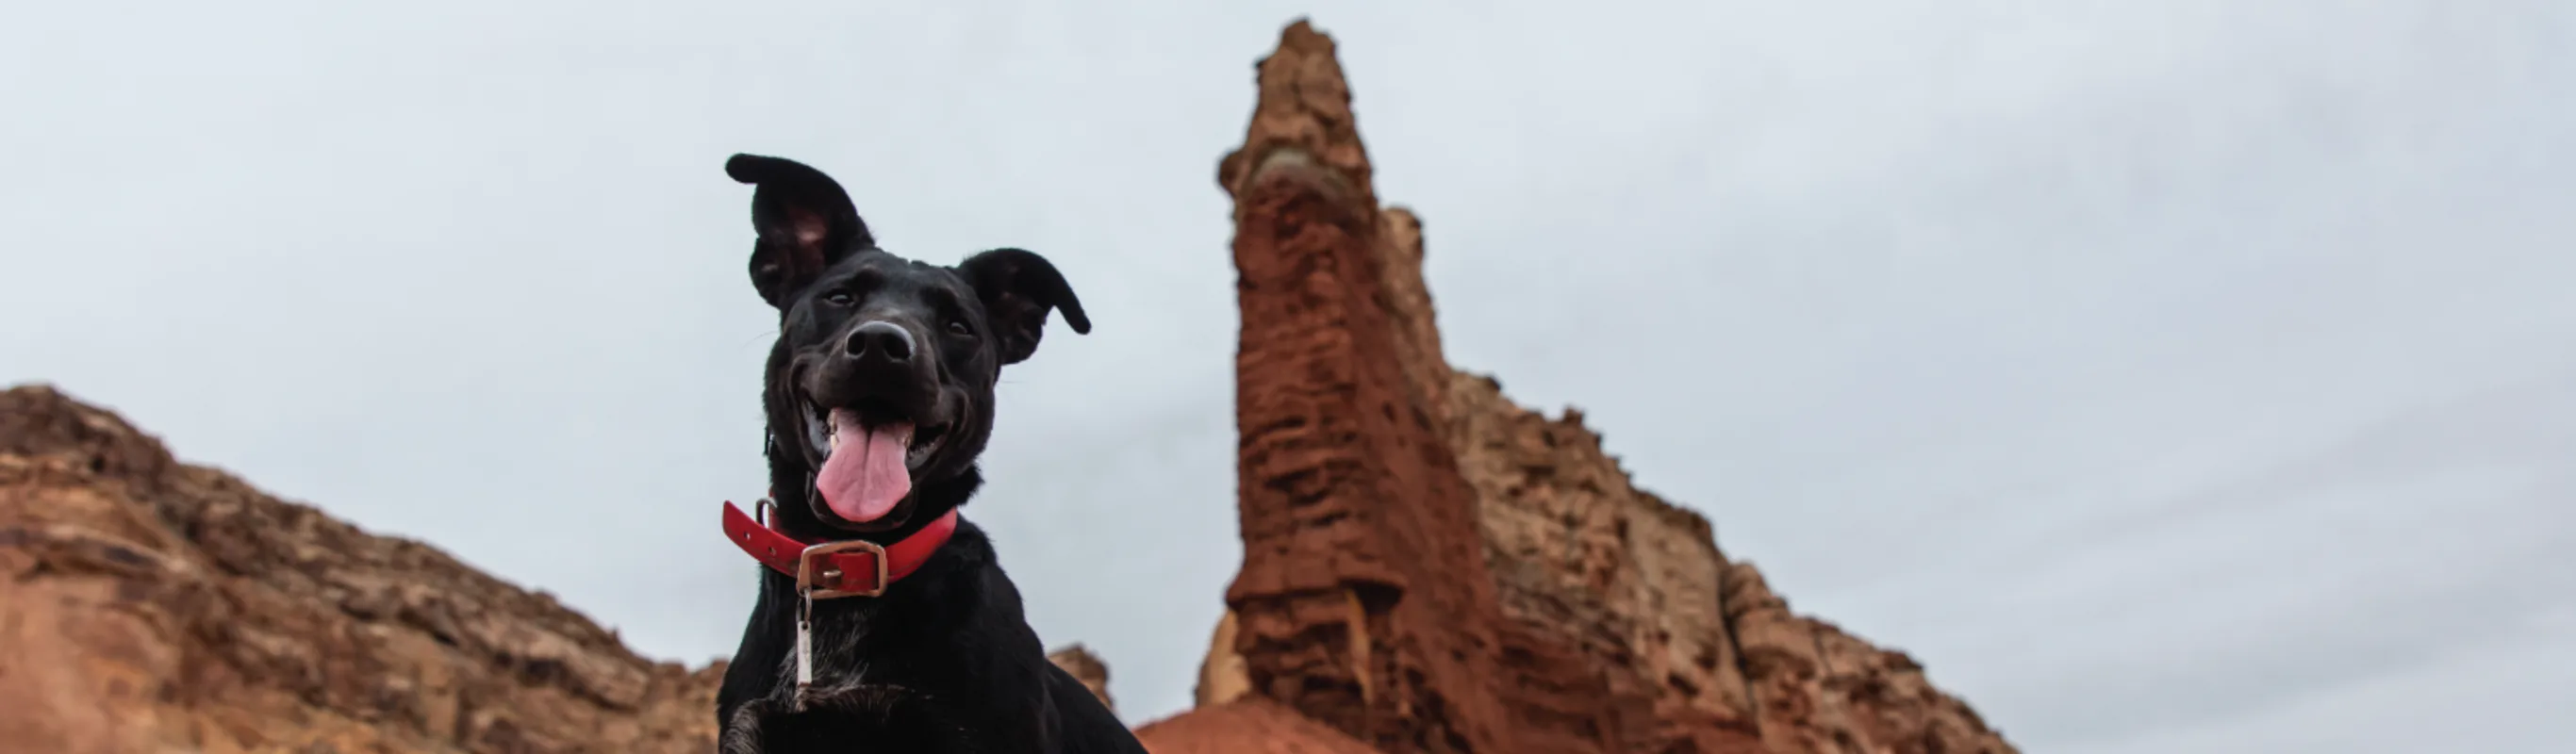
[[815, 573]]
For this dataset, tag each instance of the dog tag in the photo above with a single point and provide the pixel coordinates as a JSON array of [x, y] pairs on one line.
[[804, 647]]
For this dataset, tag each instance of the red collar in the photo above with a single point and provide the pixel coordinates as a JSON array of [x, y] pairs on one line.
[[837, 569]]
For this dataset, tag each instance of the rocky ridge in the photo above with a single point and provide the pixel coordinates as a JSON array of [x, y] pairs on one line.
[[155, 606]]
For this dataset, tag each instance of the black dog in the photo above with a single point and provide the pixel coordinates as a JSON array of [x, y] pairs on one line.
[[879, 398]]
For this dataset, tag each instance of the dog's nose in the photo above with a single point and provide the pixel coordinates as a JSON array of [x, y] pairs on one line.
[[880, 342]]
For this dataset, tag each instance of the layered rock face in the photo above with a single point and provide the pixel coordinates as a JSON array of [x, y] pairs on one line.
[[152, 606], [1429, 567], [1346, 609]]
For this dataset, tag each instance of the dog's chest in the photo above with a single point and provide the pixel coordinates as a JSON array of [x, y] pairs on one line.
[[862, 699], [853, 717]]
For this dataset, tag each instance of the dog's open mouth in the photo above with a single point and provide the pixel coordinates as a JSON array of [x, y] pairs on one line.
[[870, 455]]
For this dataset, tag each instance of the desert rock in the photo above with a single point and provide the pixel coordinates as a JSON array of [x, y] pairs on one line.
[[1431, 567], [155, 606]]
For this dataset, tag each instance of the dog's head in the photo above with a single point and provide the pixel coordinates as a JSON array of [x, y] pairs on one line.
[[882, 379]]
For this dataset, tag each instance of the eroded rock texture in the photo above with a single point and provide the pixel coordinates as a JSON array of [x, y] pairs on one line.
[[153, 606], [1429, 567]]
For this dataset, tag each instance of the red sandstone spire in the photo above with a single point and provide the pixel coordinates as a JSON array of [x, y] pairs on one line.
[[1428, 567]]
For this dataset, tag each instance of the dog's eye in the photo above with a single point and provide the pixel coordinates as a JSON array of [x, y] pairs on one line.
[[839, 298], [958, 327]]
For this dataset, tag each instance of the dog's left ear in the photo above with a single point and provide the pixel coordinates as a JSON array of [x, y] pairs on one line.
[[1018, 287]]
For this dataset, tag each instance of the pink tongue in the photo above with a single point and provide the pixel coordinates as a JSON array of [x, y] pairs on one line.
[[865, 475]]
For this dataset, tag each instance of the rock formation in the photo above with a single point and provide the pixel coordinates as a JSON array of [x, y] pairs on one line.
[[150, 606], [1429, 567]]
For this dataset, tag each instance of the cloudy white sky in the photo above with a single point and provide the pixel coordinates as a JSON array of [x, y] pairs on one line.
[[2168, 375]]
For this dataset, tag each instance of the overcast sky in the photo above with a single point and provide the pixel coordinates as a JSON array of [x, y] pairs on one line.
[[2167, 375]]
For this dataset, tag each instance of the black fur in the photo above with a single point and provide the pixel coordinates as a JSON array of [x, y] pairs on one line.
[[943, 661]]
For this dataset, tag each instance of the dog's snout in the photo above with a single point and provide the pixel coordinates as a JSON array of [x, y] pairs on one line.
[[880, 342]]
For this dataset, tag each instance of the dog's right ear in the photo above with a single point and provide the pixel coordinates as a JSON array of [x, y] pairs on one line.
[[806, 223]]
